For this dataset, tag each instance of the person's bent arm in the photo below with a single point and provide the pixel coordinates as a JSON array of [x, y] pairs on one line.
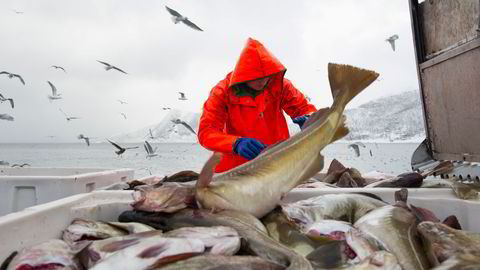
[[211, 133], [294, 102]]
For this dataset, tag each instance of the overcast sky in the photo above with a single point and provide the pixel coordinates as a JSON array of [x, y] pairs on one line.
[[162, 58]]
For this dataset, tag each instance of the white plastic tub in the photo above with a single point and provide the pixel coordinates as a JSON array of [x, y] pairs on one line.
[[25, 187], [42, 222]]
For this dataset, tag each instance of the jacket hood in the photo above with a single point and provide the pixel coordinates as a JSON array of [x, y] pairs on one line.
[[255, 62]]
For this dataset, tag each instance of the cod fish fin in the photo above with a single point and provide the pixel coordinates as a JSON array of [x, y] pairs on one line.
[[319, 114], [342, 130], [207, 172], [313, 169], [452, 222], [119, 245], [348, 81]]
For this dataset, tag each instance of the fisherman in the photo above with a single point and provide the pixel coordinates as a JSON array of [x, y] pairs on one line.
[[244, 112]]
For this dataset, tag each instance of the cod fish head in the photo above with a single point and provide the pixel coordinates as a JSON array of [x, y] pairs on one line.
[[167, 198], [52, 254], [443, 242], [82, 229]]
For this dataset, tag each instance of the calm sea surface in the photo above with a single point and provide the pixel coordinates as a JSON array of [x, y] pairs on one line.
[[174, 157]]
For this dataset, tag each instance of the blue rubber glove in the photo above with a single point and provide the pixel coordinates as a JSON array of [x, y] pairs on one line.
[[248, 148], [300, 120]]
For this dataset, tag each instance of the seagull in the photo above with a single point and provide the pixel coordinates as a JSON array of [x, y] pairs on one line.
[[82, 137], [69, 117], [54, 94], [151, 134], [17, 11], [124, 116], [121, 150], [166, 108], [4, 116], [360, 144], [108, 67], [121, 101], [150, 151], [2, 99], [355, 147], [20, 165], [177, 17], [59, 67], [391, 40], [178, 121], [182, 96], [11, 76]]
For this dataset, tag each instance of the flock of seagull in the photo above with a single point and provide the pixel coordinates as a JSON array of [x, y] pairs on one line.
[[55, 95], [151, 152]]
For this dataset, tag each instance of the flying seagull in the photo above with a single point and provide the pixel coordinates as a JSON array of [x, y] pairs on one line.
[[150, 135], [17, 11], [20, 165], [108, 67], [178, 121], [150, 151], [121, 101], [82, 137], [182, 96], [54, 94], [391, 40], [124, 115], [166, 108], [355, 147], [3, 99], [11, 76], [4, 116], [177, 17], [59, 67], [120, 150], [69, 117]]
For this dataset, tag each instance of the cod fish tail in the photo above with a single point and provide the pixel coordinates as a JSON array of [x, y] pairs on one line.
[[347, 81]]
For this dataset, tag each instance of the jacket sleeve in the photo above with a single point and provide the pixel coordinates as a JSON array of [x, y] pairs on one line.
[[211, 128], [294, 102]]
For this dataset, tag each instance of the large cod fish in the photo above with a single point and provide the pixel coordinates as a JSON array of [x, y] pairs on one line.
[[257, 186]]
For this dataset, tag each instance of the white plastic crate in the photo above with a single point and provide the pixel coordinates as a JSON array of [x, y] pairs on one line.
[[25, 187], [42, 222]]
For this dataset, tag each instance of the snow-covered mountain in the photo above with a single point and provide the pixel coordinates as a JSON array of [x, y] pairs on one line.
[[165, 130], [393, 118]]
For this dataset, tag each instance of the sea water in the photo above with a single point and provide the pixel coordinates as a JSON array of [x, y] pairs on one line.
[[174, 157]]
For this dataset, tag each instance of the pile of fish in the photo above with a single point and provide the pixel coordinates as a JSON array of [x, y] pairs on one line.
[[236, 220], [332, 231], [340, 176]]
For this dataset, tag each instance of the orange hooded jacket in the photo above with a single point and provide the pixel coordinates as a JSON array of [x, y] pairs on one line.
[[227, 117]]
